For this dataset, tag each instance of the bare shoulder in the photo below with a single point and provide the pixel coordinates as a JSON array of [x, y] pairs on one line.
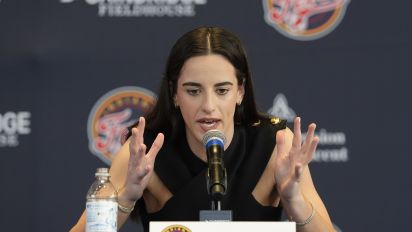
[[118, 168], [287, 137]]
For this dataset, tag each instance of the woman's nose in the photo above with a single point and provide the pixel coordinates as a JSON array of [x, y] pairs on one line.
[[208, 104]]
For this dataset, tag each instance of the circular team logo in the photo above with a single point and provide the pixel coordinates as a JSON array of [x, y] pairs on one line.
[[111, 115], [176, 228], [304, 19]]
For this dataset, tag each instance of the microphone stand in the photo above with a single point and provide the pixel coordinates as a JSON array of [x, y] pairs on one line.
[[216, 193], [216, 205]]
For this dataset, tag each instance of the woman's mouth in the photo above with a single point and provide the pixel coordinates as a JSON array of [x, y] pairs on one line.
[[208, 124]]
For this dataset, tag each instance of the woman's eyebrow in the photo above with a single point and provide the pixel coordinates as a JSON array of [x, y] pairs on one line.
[[195, 84], [223, 83], [191, 84]]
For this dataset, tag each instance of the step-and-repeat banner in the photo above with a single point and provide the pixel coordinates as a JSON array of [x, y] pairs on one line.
[[75, 73]]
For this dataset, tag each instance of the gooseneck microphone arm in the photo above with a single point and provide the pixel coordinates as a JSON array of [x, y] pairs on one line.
[[216, 175]]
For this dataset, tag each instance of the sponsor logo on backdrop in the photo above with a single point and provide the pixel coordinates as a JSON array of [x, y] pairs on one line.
[[332, 144], [144, 8], [110, 117], [281, 109], [12, 125], [304, 19]]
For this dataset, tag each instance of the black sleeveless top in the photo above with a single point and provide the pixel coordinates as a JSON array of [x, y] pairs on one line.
[[184, 174]]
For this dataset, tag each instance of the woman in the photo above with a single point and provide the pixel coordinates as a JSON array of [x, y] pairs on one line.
[[207, 85]]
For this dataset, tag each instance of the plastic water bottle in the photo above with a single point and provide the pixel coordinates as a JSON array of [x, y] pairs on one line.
[[101, 204]]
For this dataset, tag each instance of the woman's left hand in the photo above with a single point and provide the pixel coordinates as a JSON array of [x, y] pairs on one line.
[[290, 164]]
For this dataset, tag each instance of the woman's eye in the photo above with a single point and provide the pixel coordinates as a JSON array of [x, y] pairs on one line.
[[222, 91], [193, 92]]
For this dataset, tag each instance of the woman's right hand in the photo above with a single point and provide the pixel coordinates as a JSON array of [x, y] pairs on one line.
[[140, 167]]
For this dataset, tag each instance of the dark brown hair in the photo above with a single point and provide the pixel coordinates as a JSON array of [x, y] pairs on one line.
[[164, 117]]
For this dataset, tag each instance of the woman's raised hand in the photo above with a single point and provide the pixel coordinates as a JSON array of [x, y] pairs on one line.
[[290, 164], [140, 167]]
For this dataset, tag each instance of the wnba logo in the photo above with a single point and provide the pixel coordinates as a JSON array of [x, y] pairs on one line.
[[111, 115], [304, 19]]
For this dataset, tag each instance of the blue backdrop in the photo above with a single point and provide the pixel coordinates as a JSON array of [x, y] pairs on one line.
[[346, 66]]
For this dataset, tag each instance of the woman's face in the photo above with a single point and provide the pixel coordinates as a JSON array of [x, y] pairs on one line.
[[207, 93]]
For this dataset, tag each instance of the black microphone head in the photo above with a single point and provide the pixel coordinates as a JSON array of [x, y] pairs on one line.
[[213, 134]]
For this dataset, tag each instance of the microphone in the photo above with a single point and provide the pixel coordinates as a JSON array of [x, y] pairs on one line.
[[214, 141]]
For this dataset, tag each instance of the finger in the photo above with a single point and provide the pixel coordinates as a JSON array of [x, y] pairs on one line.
[[312, 149], [297, 137], [144, 172], [141, 152], [298, 172], [141, 126], [133, 143], [137, 150], [281, 143], [133, 150], [139, 167], [156, 146], [309, 137]]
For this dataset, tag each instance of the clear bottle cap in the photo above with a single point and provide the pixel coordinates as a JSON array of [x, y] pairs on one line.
[[102, 172]]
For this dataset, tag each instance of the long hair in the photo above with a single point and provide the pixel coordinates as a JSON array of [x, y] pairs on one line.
[[164, 117]]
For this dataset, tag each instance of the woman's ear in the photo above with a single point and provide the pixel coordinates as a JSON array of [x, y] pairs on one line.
[[240, 93], [175, 101], [173, 94]]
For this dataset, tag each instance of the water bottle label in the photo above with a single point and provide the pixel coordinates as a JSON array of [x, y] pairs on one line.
[[101, 216]]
